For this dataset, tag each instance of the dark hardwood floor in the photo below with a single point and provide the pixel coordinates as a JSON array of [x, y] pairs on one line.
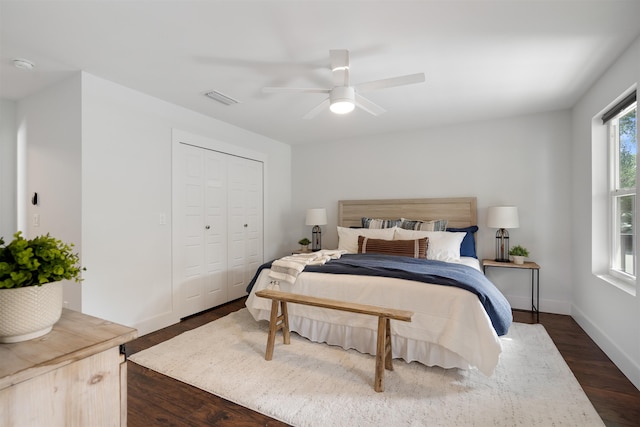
[[157, 400]]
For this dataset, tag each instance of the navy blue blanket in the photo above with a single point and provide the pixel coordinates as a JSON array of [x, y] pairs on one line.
[[421, 270]]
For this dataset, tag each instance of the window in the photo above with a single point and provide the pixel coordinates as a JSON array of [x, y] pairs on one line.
[[623, 146]]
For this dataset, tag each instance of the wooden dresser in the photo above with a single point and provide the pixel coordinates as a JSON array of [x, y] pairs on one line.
[[73, 376]]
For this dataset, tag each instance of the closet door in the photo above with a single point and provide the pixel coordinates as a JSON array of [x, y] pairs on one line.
[[201, 229], [245, 223], [215, 229]]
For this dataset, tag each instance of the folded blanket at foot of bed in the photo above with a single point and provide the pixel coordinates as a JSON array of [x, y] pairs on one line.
[[288, 268]]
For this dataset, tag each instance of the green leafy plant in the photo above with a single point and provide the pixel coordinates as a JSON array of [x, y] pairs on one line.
[[519, 251], [304, 242], [34, 262]]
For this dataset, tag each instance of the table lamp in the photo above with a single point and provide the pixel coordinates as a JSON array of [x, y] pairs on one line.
[[502, 217], [316, 217]]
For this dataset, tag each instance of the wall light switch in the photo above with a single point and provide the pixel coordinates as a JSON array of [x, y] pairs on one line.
[[36, 220], [163, 219]]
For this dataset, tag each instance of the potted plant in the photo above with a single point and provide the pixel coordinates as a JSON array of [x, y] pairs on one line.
[[518, 253], [304, 244], [31, 272]]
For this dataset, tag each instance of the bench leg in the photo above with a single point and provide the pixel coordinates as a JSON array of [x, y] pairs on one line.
[[388, 358], [383, 352], [275, 323], [284, 318]]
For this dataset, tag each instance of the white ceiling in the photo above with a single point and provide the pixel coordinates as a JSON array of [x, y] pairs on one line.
[[482, 59]]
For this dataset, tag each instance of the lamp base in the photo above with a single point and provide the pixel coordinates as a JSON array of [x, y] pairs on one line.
[[502, 245], [316, 239]]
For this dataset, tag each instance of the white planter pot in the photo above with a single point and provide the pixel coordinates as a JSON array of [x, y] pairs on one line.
[[29, 312], [518, 259]]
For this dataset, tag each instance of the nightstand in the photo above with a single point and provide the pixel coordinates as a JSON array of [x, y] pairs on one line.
[[301, 252], [535, 279]]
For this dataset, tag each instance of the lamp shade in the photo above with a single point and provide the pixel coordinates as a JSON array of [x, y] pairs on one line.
[[502, 217], [317, 216]]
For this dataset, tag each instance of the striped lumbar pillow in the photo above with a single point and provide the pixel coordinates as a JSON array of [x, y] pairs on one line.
[[433, 225], [411, 248], [379, 223]]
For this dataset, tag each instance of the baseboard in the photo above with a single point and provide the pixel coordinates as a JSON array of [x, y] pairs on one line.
[[628, 367], [155, 323]]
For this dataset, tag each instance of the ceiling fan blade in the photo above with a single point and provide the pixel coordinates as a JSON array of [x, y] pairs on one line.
[[316, 110], [394, 81], [340, 66], [369, 106], [294, 90]]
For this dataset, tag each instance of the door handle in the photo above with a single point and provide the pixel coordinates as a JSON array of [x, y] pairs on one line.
[[207, 227]]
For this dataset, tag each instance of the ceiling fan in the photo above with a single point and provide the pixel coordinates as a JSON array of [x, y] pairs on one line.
[[343, 97]]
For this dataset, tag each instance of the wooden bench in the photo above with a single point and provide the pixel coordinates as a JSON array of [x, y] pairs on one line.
[[279, 302]]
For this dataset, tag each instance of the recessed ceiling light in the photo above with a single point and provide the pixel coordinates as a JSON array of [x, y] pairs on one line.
[[23, 64]]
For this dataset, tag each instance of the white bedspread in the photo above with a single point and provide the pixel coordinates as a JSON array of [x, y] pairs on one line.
[[450, 328]]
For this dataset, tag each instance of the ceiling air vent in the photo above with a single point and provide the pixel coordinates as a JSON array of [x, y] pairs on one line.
[[221, 98]]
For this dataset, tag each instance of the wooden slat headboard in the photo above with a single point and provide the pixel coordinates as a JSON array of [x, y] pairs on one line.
[[459, 211]]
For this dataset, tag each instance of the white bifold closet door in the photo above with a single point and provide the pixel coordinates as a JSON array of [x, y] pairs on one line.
[[218, 227], [245, 223]]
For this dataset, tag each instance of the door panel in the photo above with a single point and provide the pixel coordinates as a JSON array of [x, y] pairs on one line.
[[192, 239], [215, 229], [245, 216], [254, 236]]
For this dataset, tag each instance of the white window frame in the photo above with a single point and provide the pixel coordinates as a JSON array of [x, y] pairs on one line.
[[614, 194]]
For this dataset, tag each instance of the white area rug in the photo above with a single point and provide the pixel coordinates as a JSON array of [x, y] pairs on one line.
[[311, 384]]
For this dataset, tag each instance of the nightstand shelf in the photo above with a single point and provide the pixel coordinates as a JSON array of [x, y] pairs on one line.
[[535, 279]]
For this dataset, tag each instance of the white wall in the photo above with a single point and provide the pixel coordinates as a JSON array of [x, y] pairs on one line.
[[49, 146], [523, 161], [8, 170], [99, 156], [610, 315], [126, 187]]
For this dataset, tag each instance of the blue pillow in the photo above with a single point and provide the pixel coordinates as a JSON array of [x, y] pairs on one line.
[[468, 245]]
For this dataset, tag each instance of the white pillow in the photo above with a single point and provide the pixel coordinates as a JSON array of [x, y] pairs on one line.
[[348, 237], [442, 246]]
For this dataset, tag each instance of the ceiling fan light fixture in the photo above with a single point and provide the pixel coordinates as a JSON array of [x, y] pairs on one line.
[[342, 107], [342, 100]]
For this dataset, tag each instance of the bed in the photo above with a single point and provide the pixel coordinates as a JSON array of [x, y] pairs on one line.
[[453, 326]]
